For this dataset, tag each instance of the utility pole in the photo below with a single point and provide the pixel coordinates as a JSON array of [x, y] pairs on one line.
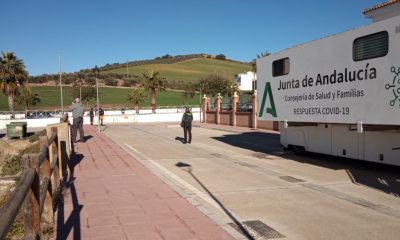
[[126, 69], [61, 91], [96, 71]]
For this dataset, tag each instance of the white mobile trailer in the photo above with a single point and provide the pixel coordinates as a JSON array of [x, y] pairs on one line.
[[338, 95]]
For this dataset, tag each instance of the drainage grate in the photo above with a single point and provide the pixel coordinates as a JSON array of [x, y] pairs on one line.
[[258, 230], [291, 179]]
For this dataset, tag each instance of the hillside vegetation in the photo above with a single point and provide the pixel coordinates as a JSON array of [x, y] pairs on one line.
[[179, 69], [189, 70], [180, 72], [109, 97]]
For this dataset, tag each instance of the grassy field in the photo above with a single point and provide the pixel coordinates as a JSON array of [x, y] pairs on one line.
[[109, 97], [190, 70], [186, 71]]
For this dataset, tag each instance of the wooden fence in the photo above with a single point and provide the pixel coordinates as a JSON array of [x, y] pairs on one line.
[[36, 189]]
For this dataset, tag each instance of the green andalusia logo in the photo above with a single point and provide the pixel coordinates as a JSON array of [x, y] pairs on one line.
[[268, 93], [395, 86]]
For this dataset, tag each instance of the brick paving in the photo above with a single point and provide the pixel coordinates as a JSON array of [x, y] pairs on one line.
[[111, 195]]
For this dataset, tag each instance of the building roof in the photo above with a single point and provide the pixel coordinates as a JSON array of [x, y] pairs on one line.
[[381, 5]]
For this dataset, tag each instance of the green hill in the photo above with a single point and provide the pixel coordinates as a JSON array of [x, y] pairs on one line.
[[177, 70], [189, 70], [109, 97]]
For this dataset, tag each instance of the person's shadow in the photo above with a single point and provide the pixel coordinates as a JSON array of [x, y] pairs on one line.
[[87, 137], [181, 139]]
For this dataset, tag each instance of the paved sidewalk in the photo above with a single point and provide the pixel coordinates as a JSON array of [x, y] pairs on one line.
[[235, 129], [113, 196]]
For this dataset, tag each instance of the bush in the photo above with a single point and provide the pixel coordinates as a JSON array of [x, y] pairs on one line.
[[127, 83], [111, 82], [12, 166], [35, 137], [34, 148], [90, 81]]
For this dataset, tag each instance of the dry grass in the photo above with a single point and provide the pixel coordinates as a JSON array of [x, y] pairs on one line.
[[10, 165]]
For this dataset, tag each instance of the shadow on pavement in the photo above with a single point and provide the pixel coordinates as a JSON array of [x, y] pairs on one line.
[[181, 139], [88, 137], [381, 177], [188, 168], [75, 160], [73, 222]]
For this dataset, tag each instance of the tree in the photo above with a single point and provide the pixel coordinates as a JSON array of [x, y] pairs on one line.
[[221, 57], [86, 92], [167, 56], [263, 54], [189, 93], [111, 82], [135, 97], [90, 81], [27, 98], [12, 76], [214, 84], [153, 81]]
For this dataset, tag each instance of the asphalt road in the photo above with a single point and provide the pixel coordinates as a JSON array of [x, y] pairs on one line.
[[244, 176]]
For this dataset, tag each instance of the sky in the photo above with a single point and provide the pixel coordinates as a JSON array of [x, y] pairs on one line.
[[85, 33]]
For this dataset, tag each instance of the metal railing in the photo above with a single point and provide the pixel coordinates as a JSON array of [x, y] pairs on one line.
[[35, 190]]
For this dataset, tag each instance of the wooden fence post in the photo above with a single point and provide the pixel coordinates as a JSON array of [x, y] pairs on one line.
[[46, 174], [32, 200], [57, 172]]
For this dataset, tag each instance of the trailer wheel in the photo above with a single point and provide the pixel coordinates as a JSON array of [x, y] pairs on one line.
[[298, 150]]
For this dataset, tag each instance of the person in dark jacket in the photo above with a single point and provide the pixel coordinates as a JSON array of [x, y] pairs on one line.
[[101, 116], [91, 115], [186, 123]]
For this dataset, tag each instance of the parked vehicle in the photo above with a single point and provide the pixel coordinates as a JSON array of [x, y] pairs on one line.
[[339, 95], [32, 115]]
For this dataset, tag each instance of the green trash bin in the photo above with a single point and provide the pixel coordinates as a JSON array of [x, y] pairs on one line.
[[16, 129]]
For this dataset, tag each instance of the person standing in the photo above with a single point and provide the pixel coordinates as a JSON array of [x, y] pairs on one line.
[[101, 116], [186, 123], [91, 115], [77, 120]]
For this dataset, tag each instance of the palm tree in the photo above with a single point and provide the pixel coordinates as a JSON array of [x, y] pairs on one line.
[[262, 54], [135, 97], [12, 75], [27, 98], [153, 81]]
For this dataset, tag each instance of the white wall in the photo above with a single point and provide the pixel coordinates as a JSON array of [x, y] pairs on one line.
[[115, 117], [383, 13], [245, 81]]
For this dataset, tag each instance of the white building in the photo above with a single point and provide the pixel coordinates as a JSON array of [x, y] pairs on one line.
[[246, 81], [382, 11]]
